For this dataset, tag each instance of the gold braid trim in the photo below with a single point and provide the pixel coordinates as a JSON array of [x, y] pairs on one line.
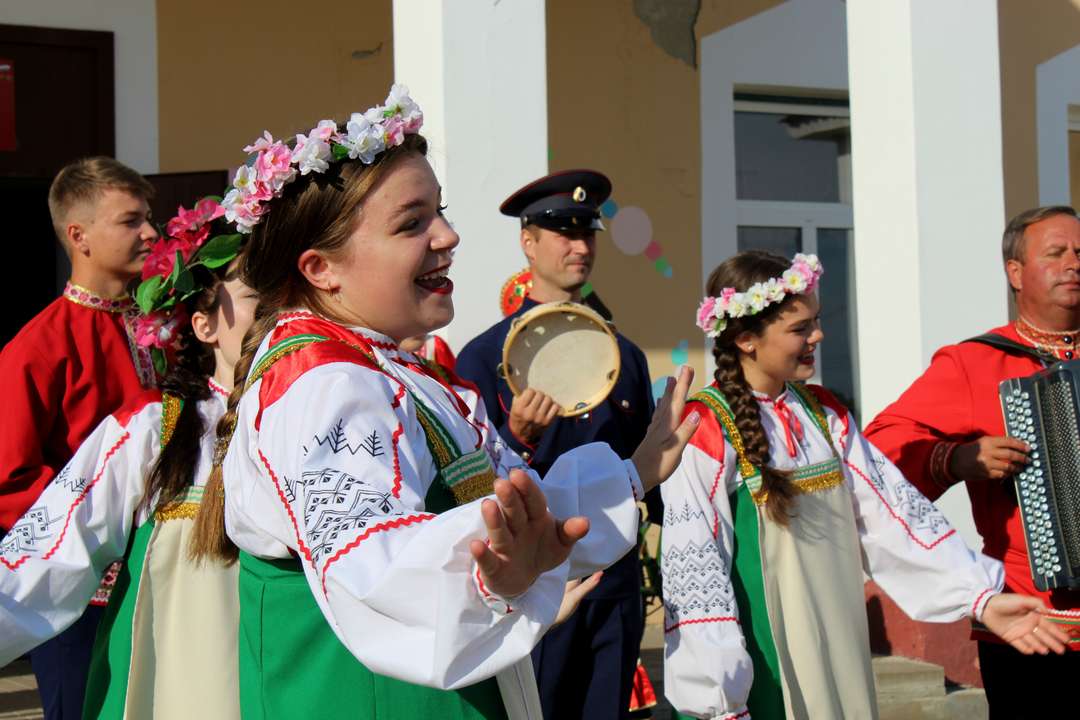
[[475, 487], [746, 469], [177, 511], [170, 413]]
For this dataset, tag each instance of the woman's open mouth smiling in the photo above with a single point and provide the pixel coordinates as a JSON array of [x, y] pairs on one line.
[[436, 281]]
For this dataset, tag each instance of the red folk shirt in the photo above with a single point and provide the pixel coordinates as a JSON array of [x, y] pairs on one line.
[[66, 370], [956, 401]]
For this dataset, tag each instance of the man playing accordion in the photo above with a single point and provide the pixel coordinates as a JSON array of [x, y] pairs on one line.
[[948, 428]]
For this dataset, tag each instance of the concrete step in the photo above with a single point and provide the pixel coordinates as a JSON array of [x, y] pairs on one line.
[[19, 698], [900, 679], [915, 690]]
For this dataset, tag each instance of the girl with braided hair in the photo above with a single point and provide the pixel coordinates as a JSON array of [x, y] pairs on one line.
[[132, 491], [778, 507], [397, 560]]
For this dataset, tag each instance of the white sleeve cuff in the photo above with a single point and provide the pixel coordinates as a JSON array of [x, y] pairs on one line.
[[498, 605], [981, 600], [635, 480]]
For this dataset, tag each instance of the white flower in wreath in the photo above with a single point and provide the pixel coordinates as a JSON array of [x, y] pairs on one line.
[[811, 261], [774, 291], [721, 324], [738, 305], [757, 298], [244, 181], [399, 100], [793, 281], [311, 154], [363, 138]]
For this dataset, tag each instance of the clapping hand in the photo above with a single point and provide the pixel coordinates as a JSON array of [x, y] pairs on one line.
[[661, 450], [524, 538]]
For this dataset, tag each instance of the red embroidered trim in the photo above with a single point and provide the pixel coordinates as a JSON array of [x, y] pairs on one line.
[[396, 402], [288, 508], [712, 494], [699, 621], [71, 510], [892, 512], [975, 605], [215, 388], [389, 525], [733, 716], [396, 490], [483, 588], [296, 315]]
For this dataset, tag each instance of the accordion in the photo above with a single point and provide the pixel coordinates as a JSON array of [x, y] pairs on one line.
[[1043, 411]]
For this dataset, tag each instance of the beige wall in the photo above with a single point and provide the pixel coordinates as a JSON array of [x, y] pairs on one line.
[[262, 64], [1074, 168], [1030, 33], [620, 104]]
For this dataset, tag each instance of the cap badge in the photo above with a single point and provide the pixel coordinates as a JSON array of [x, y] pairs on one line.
[[579, 194]]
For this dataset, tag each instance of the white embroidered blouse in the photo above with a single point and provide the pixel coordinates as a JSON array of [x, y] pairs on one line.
[[52, 559], [335, 472], [908, 548]]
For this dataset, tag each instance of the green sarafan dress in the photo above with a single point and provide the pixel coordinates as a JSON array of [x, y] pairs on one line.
[[767, 620], [353, 487]]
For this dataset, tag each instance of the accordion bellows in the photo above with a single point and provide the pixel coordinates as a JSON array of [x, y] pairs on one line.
[[1043, 411]]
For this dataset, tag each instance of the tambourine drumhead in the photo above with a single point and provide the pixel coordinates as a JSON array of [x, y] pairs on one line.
[[564, 350]]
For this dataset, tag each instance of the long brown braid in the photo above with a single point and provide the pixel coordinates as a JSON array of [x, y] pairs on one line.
[[318, 211], [740, 272]]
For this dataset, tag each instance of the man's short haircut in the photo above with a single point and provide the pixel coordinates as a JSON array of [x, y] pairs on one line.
[[84, 181], [1012, 241]]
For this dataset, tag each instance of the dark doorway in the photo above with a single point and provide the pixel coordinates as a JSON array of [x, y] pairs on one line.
[[56, 105], [175, 189]]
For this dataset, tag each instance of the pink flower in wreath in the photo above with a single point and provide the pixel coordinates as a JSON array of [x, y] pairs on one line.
[[705, 318], [260, 144], [205, 211], [159, 329], [162, 256], [273, 169], [394, 128]]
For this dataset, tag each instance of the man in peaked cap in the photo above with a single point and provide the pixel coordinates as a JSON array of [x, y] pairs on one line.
[[584, 667]]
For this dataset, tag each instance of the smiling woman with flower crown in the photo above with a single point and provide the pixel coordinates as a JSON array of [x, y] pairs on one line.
[[777, 508], [132, 490], [385, 571]]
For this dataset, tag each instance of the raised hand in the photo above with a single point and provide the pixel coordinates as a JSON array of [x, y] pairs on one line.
[[661, 450], [530, 414], [1019, 621], [524, 538], [988, 458], [576, 590]]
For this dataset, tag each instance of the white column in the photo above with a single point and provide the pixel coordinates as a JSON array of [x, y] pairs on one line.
[[479, 71], [928, 190], [929, 198]]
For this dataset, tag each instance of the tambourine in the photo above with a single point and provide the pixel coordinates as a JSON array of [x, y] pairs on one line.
[[566, 351]]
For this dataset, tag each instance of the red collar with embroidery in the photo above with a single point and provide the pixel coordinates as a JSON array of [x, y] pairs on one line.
[[81, 296], [1057, 342]]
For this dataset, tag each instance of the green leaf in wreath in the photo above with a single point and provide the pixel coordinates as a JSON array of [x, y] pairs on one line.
[[340, 152], [148, 293], [185, 282], [219, 250], [158, 356]]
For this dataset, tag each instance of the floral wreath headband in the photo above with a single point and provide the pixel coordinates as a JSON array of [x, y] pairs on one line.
[[800, 279], [168, 280], [275, 163]]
